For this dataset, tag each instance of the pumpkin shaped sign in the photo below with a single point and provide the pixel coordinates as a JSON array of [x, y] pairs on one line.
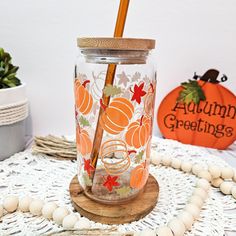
[[200, 112]]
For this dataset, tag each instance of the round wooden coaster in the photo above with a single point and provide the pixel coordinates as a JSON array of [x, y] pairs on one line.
[[115, 214]]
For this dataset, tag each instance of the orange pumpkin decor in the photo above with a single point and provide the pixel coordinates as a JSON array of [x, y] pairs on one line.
[[200, 112], [117, 115], [139, 132], [139, 176], [149, 101], [84, 143], [83, 99]]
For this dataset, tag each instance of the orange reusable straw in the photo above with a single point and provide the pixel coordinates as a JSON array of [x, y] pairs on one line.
[[110, 75]]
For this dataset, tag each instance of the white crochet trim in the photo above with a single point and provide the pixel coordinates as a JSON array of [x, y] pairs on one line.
[[12, 113], [48, 178]]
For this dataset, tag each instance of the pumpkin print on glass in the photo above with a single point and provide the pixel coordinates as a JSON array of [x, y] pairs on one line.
[[117, 115], [84, 100], [200, 112], [149, 101], [121, 170], [84, 143], [139, 132], [139, 176]]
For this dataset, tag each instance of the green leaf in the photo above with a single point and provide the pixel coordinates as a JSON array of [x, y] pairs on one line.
[[139, 157], [123, 191], [191, 92], [87, 180], [111, 90], [83, 121], [8, 71]]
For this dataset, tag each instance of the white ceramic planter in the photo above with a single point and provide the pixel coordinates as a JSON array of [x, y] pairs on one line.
[[12, 137]]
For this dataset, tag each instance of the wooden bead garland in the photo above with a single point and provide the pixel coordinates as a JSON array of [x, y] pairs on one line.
[[186, 166], [164, 231], [59, 214], [10, 203], [226, 187], [24, 203], [166, 161], [69, 221], [48, 210], [176, 227], [196, 200], [187, 219], [217, 182], [214, 171], [227, 173], [35, 207]]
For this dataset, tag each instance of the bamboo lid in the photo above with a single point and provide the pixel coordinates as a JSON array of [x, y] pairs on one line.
[[116, 43]]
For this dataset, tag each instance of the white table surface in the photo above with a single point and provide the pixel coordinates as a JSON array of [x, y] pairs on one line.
[[228, 155]]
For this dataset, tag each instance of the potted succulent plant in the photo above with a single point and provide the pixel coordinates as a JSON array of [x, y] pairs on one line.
[[13, 108]]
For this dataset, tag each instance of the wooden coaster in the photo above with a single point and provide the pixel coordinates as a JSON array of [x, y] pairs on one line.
[[115, 214]]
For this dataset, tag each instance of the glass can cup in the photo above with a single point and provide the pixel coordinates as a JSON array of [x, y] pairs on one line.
[[115, 83]]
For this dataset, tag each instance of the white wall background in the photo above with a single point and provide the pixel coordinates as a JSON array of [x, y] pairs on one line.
[[192, 35]]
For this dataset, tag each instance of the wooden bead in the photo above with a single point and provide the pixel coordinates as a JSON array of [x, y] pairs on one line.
[[196, 200], [176, 163], [201, 193], [24, 203], [177, 227], [205, 175], [215, 171], [48, 209], [10, 203], [1, 211], [193, 210], [233, 192], [69, 221], [234, 178], [82, 223], [166, 160], [59, 214], [203, 183], [147, 232], [35, 207], [186, 166], [187, 219], [164, 231], [197, 168], [155, 158], [216, 182], [226, 187], [227, 173]]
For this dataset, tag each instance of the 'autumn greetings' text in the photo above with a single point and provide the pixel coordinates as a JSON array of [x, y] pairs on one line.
[[218, 130]]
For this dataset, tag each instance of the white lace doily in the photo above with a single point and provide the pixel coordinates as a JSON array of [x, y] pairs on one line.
[[48, 178]]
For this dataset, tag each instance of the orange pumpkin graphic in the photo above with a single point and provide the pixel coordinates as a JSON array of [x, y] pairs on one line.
[[83, 99], [84, 143], [117, 115], [139, 132], [139, 176]]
